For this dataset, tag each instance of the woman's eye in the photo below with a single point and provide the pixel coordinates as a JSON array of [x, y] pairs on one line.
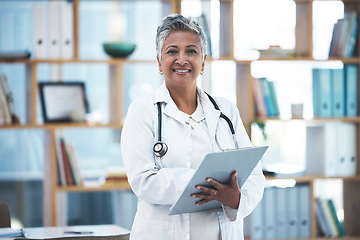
[[192, 51], [171, 52]]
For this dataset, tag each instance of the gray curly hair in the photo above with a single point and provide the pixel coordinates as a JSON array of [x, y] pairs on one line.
[[175, 22]]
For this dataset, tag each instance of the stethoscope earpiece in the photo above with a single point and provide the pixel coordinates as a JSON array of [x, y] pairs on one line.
[[160, 149]]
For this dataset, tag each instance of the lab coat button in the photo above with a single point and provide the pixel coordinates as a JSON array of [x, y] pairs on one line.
[[188, 163], [187, 236]]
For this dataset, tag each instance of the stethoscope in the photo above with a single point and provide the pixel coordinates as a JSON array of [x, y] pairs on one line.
[[160, 148]]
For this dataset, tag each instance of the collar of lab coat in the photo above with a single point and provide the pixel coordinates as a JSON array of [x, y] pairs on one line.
[[170, 109]]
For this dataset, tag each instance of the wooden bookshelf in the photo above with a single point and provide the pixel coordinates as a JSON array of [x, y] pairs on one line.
[[304, 52]]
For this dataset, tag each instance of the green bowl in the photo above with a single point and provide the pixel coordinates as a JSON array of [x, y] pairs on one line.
[[119, 49]]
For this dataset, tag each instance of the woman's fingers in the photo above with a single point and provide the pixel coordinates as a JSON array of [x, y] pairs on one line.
[[227, 194]]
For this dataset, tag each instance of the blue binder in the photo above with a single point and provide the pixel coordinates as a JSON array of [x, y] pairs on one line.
[[351, 90], [338, 92], [322, 102]]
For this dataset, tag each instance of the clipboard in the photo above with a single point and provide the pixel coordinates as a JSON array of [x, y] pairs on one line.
[[219, 166]]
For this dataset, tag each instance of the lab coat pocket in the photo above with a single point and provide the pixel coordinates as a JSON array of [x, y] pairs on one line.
[[153, 228]]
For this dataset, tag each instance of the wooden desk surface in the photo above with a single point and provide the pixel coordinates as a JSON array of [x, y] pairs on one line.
[[72, 231]]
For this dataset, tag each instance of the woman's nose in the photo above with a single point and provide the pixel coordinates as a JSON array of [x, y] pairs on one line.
[[181, 60]]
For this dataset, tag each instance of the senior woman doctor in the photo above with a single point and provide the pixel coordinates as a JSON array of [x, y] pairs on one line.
[[191, 127]]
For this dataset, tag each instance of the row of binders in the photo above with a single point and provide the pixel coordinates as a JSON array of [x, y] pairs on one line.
[[266, 103], [344, 36], [68, 169], [335, 91], [283, 213], [8, 113], [331, 149], [328, 220], [53, 30]]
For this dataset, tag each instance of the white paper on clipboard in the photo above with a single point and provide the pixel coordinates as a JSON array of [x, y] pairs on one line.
[[219, 166]]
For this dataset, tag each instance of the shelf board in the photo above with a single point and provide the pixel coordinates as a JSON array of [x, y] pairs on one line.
[[110, 61], [317, 119], [313, 178], [124, 185], [50, 126]]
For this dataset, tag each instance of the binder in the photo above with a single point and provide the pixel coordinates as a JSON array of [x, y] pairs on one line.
[[304, 211], [40, 13], [54, 29], [253, 226], [292, 214], [281, 204], [321, 149], [347, 154], [351, 89], [66, 31], [338, 92], [322, 92], [269, 213]]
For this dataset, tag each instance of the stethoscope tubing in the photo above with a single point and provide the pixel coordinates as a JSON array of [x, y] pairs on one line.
[[160, 148]]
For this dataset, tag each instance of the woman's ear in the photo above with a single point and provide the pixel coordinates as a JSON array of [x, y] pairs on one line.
[[203, 64], [159, 64]]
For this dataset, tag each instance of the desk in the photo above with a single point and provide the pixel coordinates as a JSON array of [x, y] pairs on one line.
[[73, 231]]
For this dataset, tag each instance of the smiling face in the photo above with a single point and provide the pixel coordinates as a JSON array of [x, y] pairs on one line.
[[181, 59]]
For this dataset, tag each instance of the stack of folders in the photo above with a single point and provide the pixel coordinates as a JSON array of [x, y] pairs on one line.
[[328, 221], [283, 213], [8, 113], [344, 36], [335, 91], [67, 165], [331, 149], [53, 30], [266, 102]]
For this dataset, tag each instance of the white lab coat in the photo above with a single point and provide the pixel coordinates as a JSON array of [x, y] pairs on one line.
[[158, 182]]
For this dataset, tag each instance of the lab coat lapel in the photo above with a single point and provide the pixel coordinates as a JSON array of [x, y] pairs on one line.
[[170, 109], [211, 114]]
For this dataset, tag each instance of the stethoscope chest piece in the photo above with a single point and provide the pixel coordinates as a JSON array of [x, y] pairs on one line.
[[160, 149]]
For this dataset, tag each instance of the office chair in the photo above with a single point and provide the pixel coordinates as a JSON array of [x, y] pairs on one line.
[[5, 221]]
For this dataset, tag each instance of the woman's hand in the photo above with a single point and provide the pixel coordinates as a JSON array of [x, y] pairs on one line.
[[227, 194]]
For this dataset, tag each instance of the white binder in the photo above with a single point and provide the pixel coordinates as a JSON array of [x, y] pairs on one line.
[[281, 204], [292, 215], [347, 156], [54, 29], [40, 13], [321, 149], [304, 211], [66, 31], [269, 213], [219, 166], [253, 226]]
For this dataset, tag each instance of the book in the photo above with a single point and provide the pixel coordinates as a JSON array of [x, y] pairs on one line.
[[344, 36], [260, 107], [321, 219], [68, 174], [339, 225], [330, 223], [9, 100], [4, 108], [60, 165]]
